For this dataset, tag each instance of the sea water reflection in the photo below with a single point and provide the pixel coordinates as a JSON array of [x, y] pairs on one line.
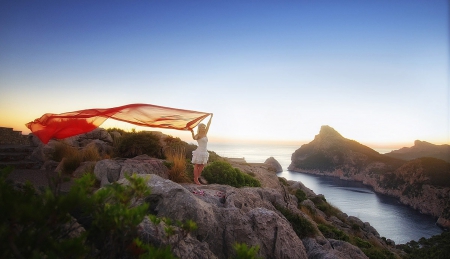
[[390, 218]]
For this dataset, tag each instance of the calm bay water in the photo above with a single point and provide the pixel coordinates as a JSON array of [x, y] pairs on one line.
[[391, 219]]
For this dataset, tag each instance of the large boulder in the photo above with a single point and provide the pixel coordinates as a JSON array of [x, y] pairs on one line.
[[111, 170], [83, 140], [273, 163], [331, 249]]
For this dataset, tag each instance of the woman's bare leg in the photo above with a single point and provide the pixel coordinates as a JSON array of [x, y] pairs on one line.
[[196, 173], [200, 169]]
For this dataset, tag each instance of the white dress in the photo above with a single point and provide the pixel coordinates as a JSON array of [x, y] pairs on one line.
[[201, 155]]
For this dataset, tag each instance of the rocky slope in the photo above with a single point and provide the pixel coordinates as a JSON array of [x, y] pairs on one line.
[[422, 183], [422, 149], [283, 218]]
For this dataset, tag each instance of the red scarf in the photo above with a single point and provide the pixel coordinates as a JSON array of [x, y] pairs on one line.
[[73, 123]]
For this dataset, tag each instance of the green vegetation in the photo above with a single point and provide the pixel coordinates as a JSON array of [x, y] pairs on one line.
[[437, 170], [139, 143], [221, 172], [413, 190], [301, 195], [322, 204], [36, 224], [374, 252], [435, 247], [302, 226], [318, 160], [245, 252], [391, 181], [283, 181], [330, 231]]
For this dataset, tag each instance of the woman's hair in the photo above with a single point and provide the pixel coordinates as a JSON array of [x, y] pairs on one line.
[[201, 126]]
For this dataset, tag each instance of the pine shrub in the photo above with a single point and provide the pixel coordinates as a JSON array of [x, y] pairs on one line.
[[221, 172], [41, 224], [139, 143], [301, 195], [302, 226], [245, 252]]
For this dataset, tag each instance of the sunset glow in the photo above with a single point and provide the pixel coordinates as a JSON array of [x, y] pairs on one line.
[[375, 71]]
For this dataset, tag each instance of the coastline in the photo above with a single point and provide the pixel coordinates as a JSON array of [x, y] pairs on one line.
[[371, 183]]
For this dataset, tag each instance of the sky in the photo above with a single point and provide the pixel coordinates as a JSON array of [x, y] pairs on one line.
[[272, 71]]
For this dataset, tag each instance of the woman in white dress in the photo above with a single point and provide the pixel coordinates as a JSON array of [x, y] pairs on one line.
[[200, 155]]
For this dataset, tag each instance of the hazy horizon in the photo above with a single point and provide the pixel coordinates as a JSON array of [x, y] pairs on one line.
[[375, 71]]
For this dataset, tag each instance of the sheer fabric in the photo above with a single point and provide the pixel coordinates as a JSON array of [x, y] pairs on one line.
[[73, 123]]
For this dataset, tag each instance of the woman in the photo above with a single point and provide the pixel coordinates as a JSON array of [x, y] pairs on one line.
[[200, 155]]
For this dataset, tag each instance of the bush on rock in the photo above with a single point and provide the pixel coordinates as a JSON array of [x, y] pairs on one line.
[[221, 172]]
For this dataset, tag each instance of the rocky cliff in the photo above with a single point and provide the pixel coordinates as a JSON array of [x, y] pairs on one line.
[[283, 218], [422, 183]]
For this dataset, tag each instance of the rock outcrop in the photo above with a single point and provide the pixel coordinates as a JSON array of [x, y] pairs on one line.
[[226, 215], [112, 170], [422, 183], [246, 215], [273, 163]]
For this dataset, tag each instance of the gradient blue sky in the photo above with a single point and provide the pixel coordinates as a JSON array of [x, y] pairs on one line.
[[376, 71]]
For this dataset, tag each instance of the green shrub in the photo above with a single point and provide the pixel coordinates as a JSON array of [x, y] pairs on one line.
[[301, 195], [330, 231], [302, 226], [283, 181], [71, 163], [41, 224], [437, 246], [139, 143], [36, 225], [62, 150], [322, 204], [361, 243], [245, 252], [221, 172], [379, 253]]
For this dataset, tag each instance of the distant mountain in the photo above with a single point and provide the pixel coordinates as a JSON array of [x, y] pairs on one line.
[[422, 183], [331, 151], [422, 149]]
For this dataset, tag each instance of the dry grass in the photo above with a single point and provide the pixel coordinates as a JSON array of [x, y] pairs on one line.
[[63, 150], [177, 158], [72, 157], [313, 214], [90, 153]]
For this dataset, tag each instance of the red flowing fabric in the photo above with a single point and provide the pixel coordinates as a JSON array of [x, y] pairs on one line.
[[69, 124]]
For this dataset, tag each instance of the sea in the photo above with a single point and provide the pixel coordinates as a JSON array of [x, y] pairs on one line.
[[386, 214]]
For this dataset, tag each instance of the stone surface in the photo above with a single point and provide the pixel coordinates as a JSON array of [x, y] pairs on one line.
[[111, 170], [245, 216], [273, 163]]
